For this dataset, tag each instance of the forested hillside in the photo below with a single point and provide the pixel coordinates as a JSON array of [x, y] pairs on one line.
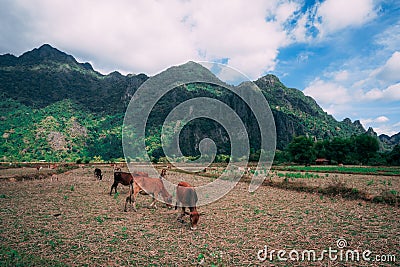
[[54, 108]]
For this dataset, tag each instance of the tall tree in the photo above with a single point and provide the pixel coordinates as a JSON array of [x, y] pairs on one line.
[[301, 150], [394, 155], [366, 147]]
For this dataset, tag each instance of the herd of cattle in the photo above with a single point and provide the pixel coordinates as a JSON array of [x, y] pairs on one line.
[[140, 182]]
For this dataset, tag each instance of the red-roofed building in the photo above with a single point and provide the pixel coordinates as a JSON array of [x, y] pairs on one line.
[[322, 161]]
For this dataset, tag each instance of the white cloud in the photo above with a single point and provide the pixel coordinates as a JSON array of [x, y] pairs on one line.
[[325, 18], [331, 96], [286, 10], [149, 36], [385, 129], [342, 75], [327, 93], [381, 119], [339, 14], [299, 33], [381, 125], [389, 39], [391, 93], [390, 72], [240, 33]]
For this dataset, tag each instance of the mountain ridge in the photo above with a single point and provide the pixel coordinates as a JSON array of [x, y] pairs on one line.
[[42, 79]]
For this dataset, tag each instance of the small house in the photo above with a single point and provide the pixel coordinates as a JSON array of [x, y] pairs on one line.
[[322, 161]]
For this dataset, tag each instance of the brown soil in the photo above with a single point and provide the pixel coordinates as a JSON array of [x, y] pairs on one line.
[[73, 220]]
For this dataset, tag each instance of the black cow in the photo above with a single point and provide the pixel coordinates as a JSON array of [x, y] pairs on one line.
[[97, 174]]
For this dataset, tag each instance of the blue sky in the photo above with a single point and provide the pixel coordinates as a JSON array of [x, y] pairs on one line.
[[353, 71], [345, 54]]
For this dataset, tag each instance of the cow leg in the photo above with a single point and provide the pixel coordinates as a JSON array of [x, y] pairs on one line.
[[177, 203], [136, 189], [111, 189], [180, 217], [114, 185], [129, 198], [153, 203]]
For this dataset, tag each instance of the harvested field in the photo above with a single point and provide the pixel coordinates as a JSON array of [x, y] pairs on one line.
[[73, 221]]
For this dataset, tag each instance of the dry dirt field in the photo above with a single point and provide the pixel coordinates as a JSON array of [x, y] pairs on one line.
[[73, 221]]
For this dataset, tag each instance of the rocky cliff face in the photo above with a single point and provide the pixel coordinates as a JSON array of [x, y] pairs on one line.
[[389, 141], [43, 76]]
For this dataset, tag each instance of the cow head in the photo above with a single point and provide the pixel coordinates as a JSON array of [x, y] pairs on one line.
[[194, 219]]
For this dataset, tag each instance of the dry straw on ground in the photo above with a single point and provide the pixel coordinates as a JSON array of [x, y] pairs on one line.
[[74, 221]]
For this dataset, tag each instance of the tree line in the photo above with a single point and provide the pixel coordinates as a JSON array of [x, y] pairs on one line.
[[358, 149]]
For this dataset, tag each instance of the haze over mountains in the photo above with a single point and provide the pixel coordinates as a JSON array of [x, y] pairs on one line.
[[55, 108]]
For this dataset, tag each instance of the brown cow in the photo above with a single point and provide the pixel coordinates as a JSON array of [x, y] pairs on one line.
[[186, 197], [152, 186], [125, 178]]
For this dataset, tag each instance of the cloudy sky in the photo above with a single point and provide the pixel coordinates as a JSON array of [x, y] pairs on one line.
[[343, 53]]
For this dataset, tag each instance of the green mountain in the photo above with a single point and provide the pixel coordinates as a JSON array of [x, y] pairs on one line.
[[54, 108]]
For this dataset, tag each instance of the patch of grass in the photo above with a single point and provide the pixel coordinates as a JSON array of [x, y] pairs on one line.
[[32, 176], [389, 171], [339, 188], [10, 257], [297, 175], [100, 219], [54, 243], [258, 211], [391, 197], [65, 168]]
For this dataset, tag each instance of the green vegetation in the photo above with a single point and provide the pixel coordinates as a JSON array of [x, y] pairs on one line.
[[298, 175], [345, 169], [355, 150], [10, 257], [301, 150], [63, 131]]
